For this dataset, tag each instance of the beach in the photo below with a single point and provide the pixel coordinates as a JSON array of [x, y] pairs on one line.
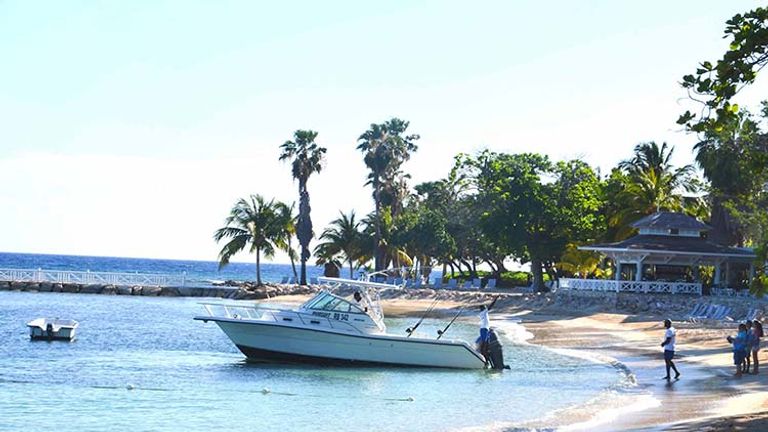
[[707, 397]]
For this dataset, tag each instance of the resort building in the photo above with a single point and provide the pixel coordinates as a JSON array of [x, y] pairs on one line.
[[671, 254]]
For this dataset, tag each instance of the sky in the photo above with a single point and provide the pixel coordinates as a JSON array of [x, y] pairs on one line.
[[131, 128]]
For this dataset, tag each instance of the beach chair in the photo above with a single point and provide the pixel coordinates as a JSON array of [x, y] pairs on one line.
[[696, 311], [390, 280], [491, 284], [313, 281], [418, 283], [467, 285], [380, 279], [438, 283], [452, 283], [284, 280], [476, 283], [292, 280]]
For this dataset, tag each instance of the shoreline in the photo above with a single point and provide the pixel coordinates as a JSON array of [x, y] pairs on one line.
[[707, 397]]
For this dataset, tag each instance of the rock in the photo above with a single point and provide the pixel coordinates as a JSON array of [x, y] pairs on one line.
[[109, 290], [169, 292], [151, 291], [46, 287], [124, 290], [137, 290], [91, 289], [4, 286], [70, 288], [57, 287]]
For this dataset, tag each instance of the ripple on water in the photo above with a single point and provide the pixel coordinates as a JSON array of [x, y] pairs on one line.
[[144, 364]]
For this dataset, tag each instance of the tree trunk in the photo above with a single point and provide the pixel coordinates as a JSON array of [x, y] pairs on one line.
[[538, 277], [304, 228], [293, 262], [258, 266], [377, 259], [351, 270]]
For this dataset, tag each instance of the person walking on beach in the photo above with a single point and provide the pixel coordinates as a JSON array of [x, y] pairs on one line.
[[739, 348], [757, 334], [669, 348]]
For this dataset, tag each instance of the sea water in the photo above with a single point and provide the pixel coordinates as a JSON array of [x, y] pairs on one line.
[[197, 273], [143, 364]]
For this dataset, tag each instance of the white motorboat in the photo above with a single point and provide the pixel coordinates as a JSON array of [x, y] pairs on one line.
[[52, 329], [332, 329]]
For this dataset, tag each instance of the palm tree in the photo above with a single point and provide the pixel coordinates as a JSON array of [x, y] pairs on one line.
[[385, 147], [254, 224], [651, 184], [289, 223], [307, 158], [343, 238]]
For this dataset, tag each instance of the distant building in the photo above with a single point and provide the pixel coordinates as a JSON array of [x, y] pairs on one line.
[[665, 256]]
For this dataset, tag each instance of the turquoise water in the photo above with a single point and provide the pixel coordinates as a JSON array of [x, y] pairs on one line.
[[186, 376]]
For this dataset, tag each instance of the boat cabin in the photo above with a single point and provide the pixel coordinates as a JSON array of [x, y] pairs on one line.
[[357, 309]]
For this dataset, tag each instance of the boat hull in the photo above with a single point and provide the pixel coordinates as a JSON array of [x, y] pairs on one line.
[[269, 342]]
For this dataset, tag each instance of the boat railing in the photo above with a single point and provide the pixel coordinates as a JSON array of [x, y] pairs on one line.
[[272, 314]]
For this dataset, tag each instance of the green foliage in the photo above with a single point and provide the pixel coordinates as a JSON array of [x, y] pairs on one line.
[[534, 208], [385, 148], [714, 85], [256, 225], [343, 241], [645, 184]]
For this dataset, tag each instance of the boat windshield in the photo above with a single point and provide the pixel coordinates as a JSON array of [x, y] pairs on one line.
[[328, 302]]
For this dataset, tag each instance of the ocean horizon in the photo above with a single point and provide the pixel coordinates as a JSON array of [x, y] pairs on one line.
[[198, 272]]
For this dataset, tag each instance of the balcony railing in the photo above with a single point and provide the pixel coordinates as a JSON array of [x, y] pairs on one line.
[[630, 286]]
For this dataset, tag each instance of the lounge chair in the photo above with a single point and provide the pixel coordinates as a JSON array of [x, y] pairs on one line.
[[452, 283], [467, 285], [418, 283], [284, 280], [438, 282], [313, 281], [491, 284], [476, 283], [698, 310]]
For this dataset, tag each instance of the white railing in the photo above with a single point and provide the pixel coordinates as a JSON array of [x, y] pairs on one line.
[[89, 277], [630, 286]]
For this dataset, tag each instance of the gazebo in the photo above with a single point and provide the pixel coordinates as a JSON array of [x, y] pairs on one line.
[[666, 256]]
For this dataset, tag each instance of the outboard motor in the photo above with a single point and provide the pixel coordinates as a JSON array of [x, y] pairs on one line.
[[495, 355]]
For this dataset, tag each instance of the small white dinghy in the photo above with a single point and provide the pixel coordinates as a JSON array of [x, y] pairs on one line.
[[52, 329]]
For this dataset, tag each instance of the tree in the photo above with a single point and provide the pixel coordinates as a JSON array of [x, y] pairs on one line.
[[647, 183], [732, 151], [307, 158], [713, 86], [254, 224], [385, 148], [534, 208], [343, 240]]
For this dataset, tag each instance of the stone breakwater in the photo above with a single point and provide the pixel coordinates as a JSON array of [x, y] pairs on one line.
[[676, 307], [245, 292]]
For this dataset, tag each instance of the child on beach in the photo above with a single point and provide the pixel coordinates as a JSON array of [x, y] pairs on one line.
[[748, 347], [739, 348], [757, 334]]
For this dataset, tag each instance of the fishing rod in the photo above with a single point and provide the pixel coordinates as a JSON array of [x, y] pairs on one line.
[[440, 333], [410, 330]]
